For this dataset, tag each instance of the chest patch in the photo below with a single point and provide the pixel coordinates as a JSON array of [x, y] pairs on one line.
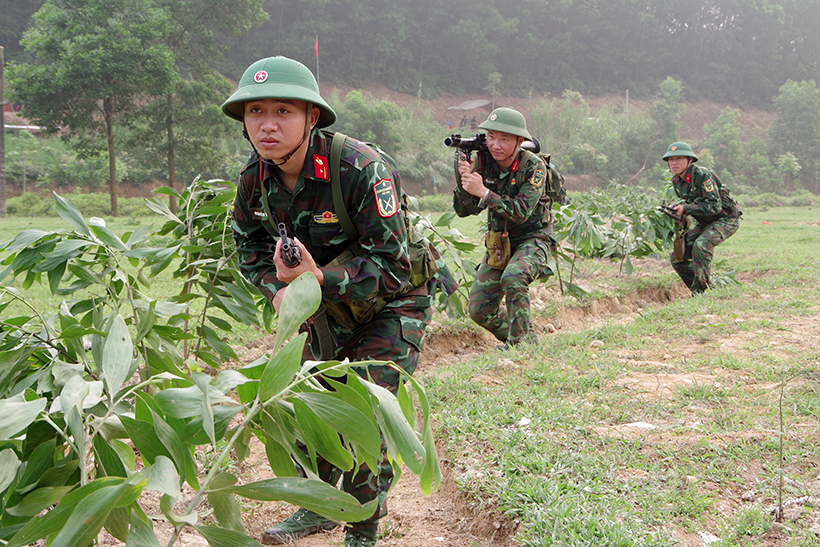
[[708, 185], [538, 177], [386, 201], [327, 217]]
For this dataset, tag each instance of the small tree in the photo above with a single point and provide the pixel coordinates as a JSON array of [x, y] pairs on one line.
[[796, 128], [723, 139], [787, 163], [97, 59]]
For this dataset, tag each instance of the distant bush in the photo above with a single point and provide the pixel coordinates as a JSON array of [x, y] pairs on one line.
[[768, 199], [437, 203], [94, 204]]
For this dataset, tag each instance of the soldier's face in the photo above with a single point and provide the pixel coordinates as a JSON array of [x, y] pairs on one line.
[[678, 164], [502, 146], [277, 126]]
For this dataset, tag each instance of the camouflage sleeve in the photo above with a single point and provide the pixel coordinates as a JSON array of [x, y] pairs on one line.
[[254, 243], [708, 203], [459, 196], [519, 208], [384, 265]]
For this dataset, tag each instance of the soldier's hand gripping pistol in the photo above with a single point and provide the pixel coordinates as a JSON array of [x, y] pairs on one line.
[[291, 253], [680, 228]]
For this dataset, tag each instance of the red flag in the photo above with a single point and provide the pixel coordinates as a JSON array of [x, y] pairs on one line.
[[316, 48]]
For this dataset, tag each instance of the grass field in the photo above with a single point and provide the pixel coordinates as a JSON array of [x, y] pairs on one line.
[[688, 420]]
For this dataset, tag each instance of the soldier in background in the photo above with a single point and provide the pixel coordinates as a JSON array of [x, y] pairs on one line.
[[519, 222], [710, 203], [287, 180]]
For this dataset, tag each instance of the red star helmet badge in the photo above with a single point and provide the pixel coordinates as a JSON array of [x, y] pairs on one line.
[[260, 76]]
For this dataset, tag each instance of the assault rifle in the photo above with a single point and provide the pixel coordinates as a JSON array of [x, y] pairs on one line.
[[478, 144], [291, 253], [680, 228], [670, 212]]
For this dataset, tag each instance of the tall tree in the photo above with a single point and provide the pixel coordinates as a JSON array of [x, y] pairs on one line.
[[183, 121], [95, 61]]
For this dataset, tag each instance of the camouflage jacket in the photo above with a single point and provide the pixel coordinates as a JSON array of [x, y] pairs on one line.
[[525, 210], [371, 200], [705, 197]]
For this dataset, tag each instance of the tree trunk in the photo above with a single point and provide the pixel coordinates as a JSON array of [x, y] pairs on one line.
[[172, 173], [112, 158]]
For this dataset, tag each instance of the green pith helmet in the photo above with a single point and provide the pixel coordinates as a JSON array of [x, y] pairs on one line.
[[680, 149], [507, 120], [278, 78]]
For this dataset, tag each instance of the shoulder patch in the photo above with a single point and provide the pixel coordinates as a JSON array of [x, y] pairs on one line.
[[538, 177], [708, 185], [386, 201]]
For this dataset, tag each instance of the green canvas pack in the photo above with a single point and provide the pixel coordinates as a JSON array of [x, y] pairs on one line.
[[352, 314], [554, 186]]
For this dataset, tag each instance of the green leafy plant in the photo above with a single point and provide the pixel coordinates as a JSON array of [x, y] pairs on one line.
[[114, 363]]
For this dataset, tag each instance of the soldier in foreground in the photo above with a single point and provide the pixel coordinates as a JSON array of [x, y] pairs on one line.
[[285, 188], [519, 241], [710, 203]]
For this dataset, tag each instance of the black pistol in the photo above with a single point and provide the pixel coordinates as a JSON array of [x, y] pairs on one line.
[[291, 253]]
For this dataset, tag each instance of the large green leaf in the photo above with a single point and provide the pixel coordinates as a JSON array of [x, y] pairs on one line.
[[163, 477], [108, 237], [69, 212], [345, 419], [117, 355], [321, 437], [25, 238], [226, 511], [302, 299], [16, 414], [9, 463], [281, 368], [180, 454], [141, 533], [62, 251], [92, 511], [220, 537], [400, 438], [36, 501], [311, 494], [56, 519]]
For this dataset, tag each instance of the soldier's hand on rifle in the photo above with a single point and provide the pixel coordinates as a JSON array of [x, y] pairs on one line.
[[289, 275], [678, 210], [471, 182]]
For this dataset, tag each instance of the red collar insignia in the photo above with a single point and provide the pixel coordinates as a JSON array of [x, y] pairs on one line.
[[320, 167]]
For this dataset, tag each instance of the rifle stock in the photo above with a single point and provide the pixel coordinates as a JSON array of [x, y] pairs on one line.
[[679, 246]]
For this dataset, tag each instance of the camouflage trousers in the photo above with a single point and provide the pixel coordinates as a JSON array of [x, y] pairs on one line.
[[396, 334], [700, 243], [510, 323]]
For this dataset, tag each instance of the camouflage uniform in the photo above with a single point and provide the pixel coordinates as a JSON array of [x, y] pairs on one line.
[[717, 214], [523, 212], [372, 201]]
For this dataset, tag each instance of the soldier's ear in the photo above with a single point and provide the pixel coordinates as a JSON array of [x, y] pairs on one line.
[[314, 116]]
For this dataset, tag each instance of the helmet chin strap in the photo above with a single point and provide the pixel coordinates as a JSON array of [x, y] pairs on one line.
[[308, 108]]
